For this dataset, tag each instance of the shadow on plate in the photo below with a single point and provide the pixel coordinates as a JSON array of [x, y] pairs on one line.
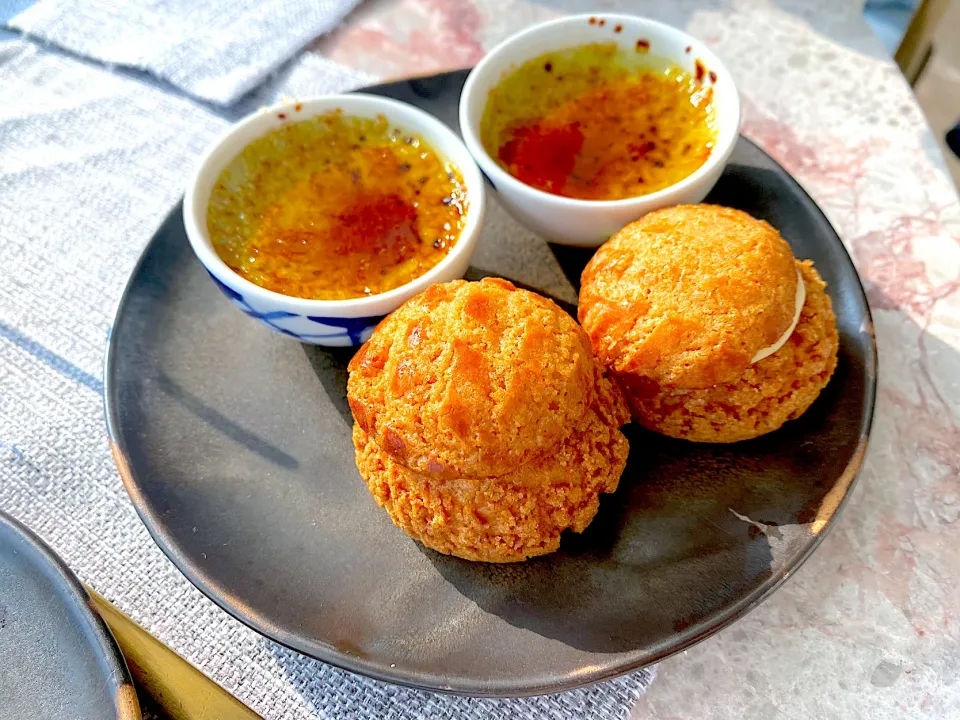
[[330, 366], [216, 420], [692, 530]]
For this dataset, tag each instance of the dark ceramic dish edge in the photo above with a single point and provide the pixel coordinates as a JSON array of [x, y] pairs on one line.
[[116, 666], [688, 637]]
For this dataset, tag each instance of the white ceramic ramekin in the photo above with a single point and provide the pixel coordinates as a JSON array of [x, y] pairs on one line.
[[328, 322], [590, 222]]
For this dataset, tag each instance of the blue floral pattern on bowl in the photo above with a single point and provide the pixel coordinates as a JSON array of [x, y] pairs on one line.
[[313, 329]]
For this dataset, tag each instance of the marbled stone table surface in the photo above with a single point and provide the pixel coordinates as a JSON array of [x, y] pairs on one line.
[[868, 627]]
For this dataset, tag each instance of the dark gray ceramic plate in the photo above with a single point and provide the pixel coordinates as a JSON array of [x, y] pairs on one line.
[[57, 658], [234, 444]]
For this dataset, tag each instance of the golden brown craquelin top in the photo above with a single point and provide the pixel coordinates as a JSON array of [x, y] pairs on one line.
[[769, 393], [472, 379], [514, 516], [687, 295]]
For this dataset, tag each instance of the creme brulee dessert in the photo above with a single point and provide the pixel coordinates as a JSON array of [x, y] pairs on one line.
[[336, 207], [600, 122]]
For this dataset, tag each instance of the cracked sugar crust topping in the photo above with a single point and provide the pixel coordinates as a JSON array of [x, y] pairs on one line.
[[472, 379], [778, 388], [510, 517], [686, 296]]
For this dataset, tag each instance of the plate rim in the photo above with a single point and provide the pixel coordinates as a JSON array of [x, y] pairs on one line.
[[479, 688], [70, 586]]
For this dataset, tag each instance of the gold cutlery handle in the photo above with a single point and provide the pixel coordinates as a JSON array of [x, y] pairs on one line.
[[175, 685]]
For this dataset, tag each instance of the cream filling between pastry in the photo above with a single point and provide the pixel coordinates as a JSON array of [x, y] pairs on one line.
[[801, 298]]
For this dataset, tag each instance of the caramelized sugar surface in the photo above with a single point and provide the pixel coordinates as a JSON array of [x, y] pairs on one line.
[[336, 207], [599, 122]]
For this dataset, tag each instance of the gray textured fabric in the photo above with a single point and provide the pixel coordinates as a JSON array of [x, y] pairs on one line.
[[216, 49], [90, 163]]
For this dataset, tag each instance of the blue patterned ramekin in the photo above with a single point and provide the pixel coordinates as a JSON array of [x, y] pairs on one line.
[[328, 322]]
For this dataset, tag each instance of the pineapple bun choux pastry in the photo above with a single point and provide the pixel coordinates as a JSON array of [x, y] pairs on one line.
[[484, 426], [715, 332]]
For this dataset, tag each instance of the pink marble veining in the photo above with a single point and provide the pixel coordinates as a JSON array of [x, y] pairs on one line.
[[428, 35], [867, 628]]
